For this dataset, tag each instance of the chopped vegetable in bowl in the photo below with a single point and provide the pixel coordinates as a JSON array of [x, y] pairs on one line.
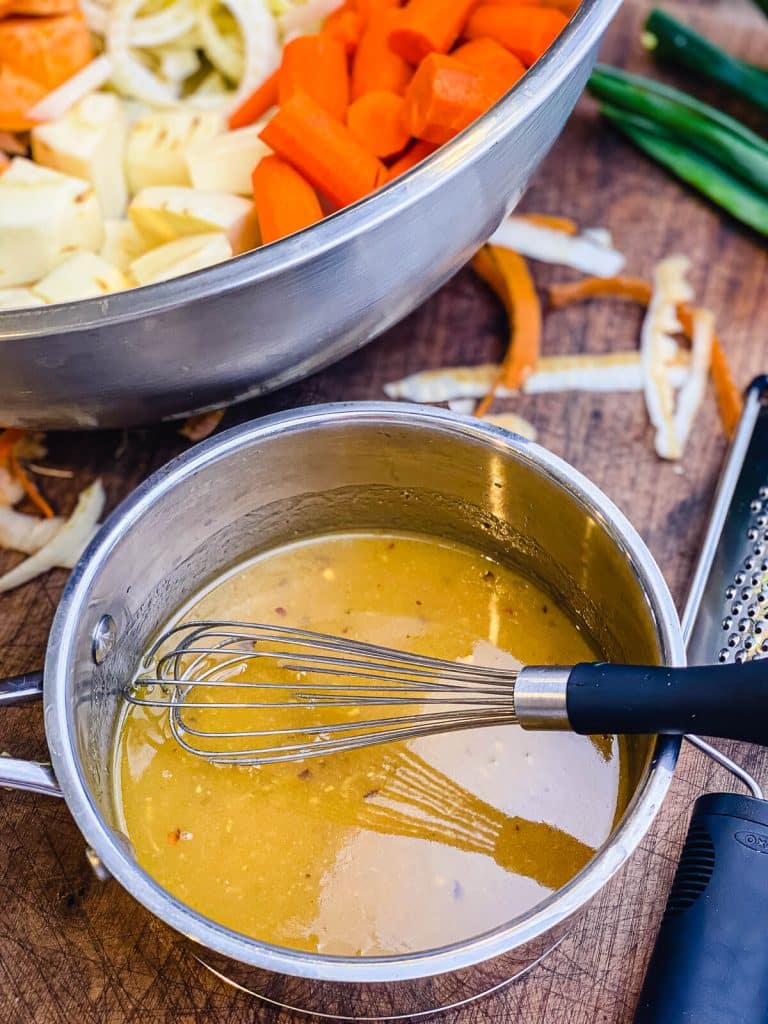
[[145, 139]]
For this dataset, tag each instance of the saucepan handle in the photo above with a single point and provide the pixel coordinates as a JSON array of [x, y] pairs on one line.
[[33, 776]]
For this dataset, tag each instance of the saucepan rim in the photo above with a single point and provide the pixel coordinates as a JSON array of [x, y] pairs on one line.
[[60, 725], [577, 38]]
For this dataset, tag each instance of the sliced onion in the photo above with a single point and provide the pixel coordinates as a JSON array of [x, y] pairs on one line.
[[87, 80], [96, 15], [67, 544], [129, 74], [585, 252], [303, 18], [164, 26], [223, 50], [28, 534], [260, 43]]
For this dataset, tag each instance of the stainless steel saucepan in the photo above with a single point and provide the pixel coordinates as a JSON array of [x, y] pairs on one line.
[[275, 315], [337, 467]]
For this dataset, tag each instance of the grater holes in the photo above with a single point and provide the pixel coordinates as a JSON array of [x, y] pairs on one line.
[[763, 492], [762, 520], [738, 579], [696, 867], [723, 656], [756, 506]]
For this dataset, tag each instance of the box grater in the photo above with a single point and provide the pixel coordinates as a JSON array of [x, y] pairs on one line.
[[710, 962]]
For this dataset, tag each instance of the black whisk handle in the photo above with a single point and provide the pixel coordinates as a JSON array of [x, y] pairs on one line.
[[710, 962], [728, 701]]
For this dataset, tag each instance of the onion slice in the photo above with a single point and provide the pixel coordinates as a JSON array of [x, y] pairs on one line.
[[87, 80], [20, 532], [261, 47], [587, 252], [66, 546], [304, 18]]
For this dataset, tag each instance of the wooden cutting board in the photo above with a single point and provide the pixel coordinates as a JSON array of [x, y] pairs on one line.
[[76, 951]]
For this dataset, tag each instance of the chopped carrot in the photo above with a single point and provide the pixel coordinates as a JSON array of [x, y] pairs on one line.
[[633, 288], [285, 201], [426, 27], [415, 153], [372, 8], [507, 274], [8, 440], [445, 96], [257, 104], [40, 8], [553, 222], [18, 94], [376, 121], [729, 400], [568, 7], [346, 26], [323, 150], [30, 487], [526, 31], [375, 66], [489, 56], [317, 66], [47, 50]]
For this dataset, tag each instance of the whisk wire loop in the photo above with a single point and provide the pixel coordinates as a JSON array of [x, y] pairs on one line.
[[317, 676]]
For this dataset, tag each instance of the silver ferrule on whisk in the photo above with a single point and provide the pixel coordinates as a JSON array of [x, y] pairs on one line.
[[540, 697]]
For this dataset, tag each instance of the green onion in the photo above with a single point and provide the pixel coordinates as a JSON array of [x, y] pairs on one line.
[[708, 177], [669, 39], [709, 150], [688, 121]]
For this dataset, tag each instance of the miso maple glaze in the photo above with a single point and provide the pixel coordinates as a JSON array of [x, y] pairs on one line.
[[396, 848]]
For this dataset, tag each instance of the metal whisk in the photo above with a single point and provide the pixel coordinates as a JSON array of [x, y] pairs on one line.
[[303, 694]]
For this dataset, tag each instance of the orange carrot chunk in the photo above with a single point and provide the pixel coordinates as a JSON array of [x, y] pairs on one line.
[[526, 31], [317, 66], [489, 56], [323, 150], [375, 65], [47, 50], [376, 121], [40, 8], [369, 9], [446, 96], [18, 94], [257, 104], [415, 153], [345, 26], [426, 27], [285, 201]]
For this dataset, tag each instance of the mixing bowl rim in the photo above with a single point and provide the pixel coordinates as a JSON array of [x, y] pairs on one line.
[[543, 78], [60, 725]]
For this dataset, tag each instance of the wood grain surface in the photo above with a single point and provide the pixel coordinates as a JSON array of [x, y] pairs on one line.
[[76, 951]]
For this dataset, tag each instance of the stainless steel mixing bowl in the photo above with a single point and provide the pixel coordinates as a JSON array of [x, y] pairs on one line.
[[278, 314], [363, 466]]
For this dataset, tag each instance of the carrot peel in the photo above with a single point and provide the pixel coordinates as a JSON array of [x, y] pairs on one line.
[[507, 274]]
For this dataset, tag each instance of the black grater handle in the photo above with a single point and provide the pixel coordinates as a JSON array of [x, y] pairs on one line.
[[710, 962], [727, 701]]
